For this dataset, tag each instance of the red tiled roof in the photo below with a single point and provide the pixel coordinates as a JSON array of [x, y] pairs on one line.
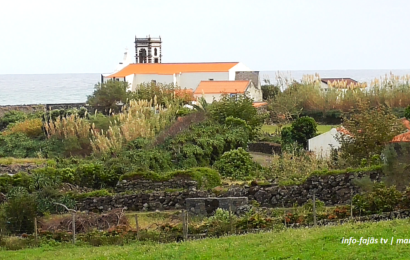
[[405, 137], [332, 80], [219, 87], [259, 104]]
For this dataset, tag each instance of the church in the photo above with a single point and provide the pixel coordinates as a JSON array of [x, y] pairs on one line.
[[147, 67]]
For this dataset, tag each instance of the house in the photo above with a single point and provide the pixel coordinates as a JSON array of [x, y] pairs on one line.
[[340, 83], [186, 75], [323, 144], [214, 90]]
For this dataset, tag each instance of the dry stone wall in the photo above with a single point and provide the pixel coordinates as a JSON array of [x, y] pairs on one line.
[[331, 189]]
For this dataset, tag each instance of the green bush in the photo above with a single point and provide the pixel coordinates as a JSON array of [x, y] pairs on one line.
[[12, 117], [303, 129], [380, 199], [20, 212], [236, 164]]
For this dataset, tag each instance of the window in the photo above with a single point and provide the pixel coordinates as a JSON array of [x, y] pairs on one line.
[[156, 60], [155, 52], [211, 79]]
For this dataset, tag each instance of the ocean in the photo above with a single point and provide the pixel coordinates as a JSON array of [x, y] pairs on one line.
[[23, 89]]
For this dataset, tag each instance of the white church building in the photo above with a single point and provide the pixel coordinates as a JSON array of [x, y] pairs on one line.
[[146, 67]]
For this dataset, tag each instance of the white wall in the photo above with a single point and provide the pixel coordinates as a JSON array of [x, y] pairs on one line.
[[322, 144], [254, 93], [237, 67], [192, 79], [209, 97]]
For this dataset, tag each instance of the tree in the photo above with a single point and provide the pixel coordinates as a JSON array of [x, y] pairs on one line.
[[108, 94], [236, 106], [368, 131], [303, 129], [269, 91]]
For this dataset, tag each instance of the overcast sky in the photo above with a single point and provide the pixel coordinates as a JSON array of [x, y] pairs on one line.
[[81, 36]]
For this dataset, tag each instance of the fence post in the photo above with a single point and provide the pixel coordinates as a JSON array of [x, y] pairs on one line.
[[185, 224], [73, 226], [137, 226], [35, 228], [314, 210], [284, 212], [351, 203], [230, 216]]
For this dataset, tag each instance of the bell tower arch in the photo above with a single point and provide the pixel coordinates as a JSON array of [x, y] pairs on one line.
[[148, 50]]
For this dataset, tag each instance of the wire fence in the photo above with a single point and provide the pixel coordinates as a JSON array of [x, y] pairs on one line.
[[119, 226]]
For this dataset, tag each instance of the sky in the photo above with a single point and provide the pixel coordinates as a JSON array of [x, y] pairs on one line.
[[90, 36]]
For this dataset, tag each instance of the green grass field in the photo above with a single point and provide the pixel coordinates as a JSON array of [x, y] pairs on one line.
[[320, 128], [316, 243]]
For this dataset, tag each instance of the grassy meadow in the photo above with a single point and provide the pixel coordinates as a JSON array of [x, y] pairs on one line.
[[273, 128], [315, 243]]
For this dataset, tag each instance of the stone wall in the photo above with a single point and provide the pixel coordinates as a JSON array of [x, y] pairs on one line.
[[145, 185], [158, 200], [16, 168], [22, 108], [265, 147], [331, 189]]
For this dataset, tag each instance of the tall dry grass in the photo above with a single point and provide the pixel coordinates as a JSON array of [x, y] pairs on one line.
[[140, 118], [389, 90]]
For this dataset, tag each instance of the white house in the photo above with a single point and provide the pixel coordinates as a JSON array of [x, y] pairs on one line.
[[213, 90], [323, 144], [185, 75]]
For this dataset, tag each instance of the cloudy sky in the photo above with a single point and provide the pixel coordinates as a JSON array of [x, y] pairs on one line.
[[81, 36]]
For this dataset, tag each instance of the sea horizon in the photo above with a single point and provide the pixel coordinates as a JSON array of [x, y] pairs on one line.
[[56, 88]]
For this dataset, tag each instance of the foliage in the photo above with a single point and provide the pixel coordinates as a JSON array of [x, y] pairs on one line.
[[163, 93], [108, 94], [407, 112], [303, 129], [207, 178], [20, 145], [396, 168], [380, 199], [269, 91], [220, 215], [237, 107], [12, 117], [236, 164], [369, 129], [292, 167], [20, 211], [92, 194], [46, 199], [30, 127]]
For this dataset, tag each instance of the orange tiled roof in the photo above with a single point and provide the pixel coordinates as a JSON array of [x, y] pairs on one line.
[[405, 137], [343, 130], [172, 68], [218, 87], [259, 104]]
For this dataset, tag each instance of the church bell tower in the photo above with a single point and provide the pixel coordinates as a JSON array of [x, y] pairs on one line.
[[148, 50]]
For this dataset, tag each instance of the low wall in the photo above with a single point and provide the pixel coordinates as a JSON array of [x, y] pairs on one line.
[[331, 189], [16, 168], [158, 200], [22, 108], [265, 147]]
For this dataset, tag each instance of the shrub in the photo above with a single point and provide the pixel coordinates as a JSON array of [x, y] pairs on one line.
[[303, 129], [380, 199], [236, 164], [12, 117], [20, 212], [30, 127], [108, 94]]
